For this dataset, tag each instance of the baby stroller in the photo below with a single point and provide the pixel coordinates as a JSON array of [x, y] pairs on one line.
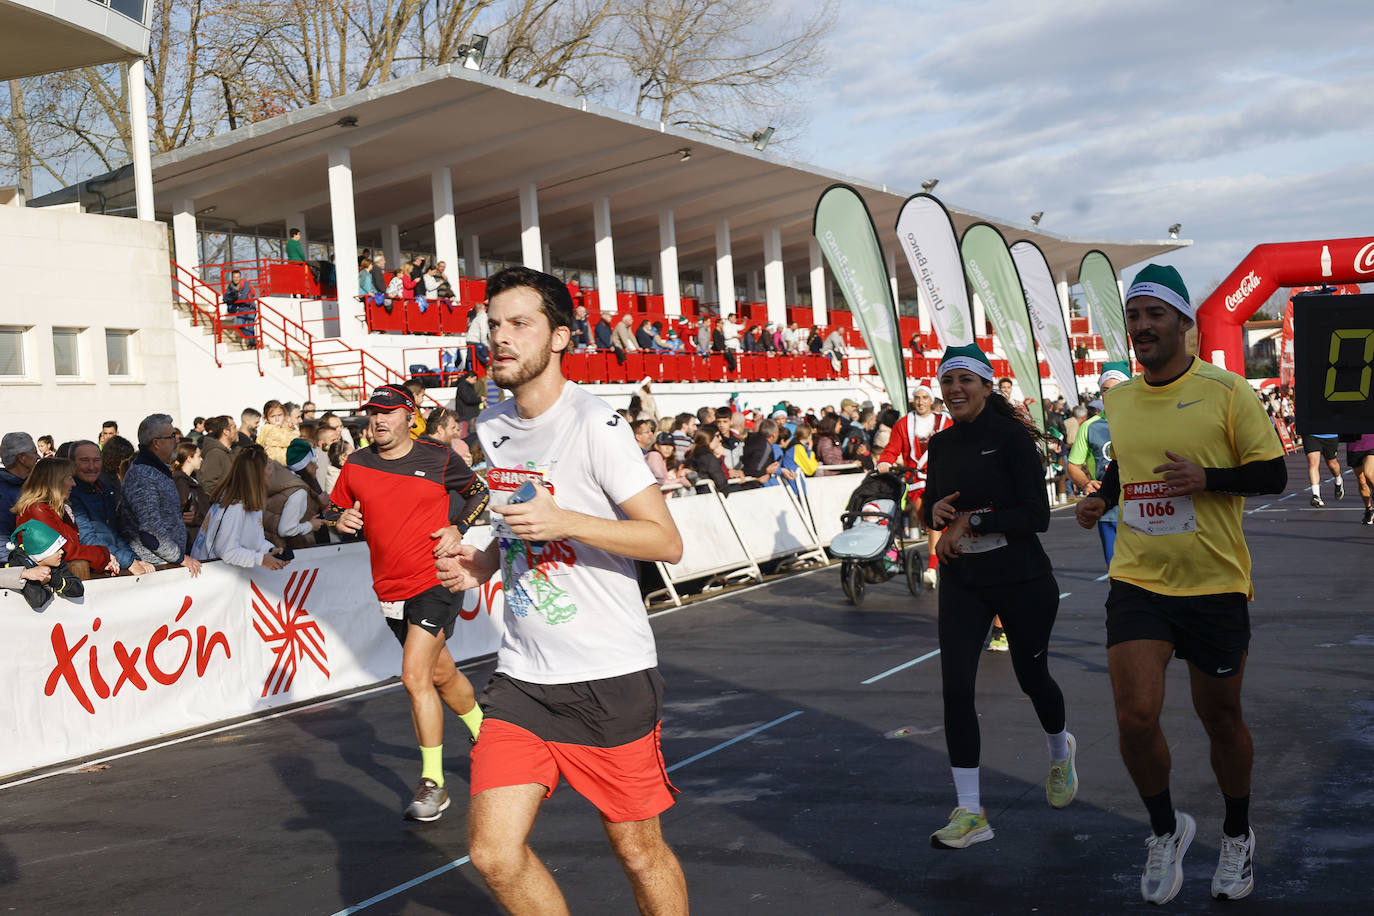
[[875, 529]]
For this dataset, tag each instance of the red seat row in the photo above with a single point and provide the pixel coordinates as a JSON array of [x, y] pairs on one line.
[[405, 317], [597, 367]]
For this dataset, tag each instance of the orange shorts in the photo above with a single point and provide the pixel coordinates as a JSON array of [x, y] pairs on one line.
[[625, 783]]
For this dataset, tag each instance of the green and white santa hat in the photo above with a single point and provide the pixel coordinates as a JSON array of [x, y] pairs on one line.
[[1118, 371], [37, 540], [1163, 283], [966, 357], [299, 454]]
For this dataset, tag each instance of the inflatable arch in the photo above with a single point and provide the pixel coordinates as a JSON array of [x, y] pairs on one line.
[[1265, 269]]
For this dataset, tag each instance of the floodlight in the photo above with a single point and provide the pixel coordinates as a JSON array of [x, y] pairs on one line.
[[761, 138], [685, 153], [472, 54], [1036, 217], [929, 184], [347, 121], [1173, 230]]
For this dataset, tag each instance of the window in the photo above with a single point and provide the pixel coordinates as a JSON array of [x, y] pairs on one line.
[[117, 352], [12, 352], [66, 356]]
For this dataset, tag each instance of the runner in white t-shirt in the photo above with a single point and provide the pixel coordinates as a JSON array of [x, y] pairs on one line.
[[576, 694]]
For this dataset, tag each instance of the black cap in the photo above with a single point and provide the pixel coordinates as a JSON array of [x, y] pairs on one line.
[[665, 439], [391, 397]]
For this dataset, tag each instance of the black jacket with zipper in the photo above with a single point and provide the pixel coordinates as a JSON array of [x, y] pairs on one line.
[[994, 464]]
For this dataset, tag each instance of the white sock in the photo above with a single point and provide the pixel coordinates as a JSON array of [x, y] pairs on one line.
[[966, 786], [1058, 744], [1316, 489]]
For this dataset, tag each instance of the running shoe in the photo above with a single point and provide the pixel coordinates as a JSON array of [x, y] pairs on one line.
[[429, 803], [964, 829], [1317, 502], [1235, 875], [1340, 488], [1369, 515], [929, 578], [1062, 785], [998, 643], [1163, 874]]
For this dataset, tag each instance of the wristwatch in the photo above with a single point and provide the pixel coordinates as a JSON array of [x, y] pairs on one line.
[[975, 521]]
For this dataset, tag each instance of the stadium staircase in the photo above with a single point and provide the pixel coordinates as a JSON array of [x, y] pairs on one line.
[[341, 371]]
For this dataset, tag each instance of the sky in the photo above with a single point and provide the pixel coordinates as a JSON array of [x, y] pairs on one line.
[[1247, 122]]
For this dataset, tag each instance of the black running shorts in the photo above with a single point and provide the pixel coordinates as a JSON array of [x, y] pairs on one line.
[[1212, 632], [1327, 447], [1355, 459], [433, 610]]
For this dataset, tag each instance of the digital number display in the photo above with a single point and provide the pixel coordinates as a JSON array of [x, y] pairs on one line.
[[1333, 363]]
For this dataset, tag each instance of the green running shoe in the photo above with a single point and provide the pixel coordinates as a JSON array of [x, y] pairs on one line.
[[998, 643], [1062, 785], [964, 829]]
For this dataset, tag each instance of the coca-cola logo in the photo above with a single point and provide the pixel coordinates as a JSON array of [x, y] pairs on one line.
[[1247, 286], [1364, 260]]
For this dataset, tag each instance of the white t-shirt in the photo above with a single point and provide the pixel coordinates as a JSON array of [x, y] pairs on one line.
[[573, 612]]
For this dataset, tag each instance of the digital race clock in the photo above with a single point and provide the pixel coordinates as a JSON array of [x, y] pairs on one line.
[[1333, 363]]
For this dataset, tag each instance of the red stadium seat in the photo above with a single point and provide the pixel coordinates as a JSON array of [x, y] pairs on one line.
[[379, 320]]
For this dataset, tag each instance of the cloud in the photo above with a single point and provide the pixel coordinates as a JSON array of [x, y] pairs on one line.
[[1247, 123]]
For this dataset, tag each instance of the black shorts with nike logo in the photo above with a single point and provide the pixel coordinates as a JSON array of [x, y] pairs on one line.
[[1210, 631], [434, 610]]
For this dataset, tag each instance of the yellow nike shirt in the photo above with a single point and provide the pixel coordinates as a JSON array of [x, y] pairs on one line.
[[1185, 545]]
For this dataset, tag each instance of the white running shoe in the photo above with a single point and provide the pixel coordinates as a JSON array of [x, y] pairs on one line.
[[1235, 877], [1340, 488], [1163, 875], [929, 578]]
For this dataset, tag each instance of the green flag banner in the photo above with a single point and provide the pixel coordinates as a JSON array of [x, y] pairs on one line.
[[926, 234], [844, 228], [992, 276], [1097, 277], [1047, 319]]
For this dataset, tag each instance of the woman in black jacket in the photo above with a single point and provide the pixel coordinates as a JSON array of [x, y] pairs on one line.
[[707, 458], [985, 488]]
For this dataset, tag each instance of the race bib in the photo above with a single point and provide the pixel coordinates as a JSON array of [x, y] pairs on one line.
[[393, 610], [503, 482], [980, 543], [552, 559], [1146, 509]]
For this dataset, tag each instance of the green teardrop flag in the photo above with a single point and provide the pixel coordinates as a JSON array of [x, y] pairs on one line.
[[1097, 277], [844, 228]]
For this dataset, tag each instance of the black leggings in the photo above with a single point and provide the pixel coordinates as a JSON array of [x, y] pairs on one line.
[[1027, 610]]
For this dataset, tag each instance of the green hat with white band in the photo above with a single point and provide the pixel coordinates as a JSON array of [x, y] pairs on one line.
[[37, 540], [1118, 371], [1165, 284], [966, 357]]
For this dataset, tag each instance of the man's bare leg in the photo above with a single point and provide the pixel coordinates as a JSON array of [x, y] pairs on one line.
[[499, 825], [420, 655], [1217, 701], [1137, 670], [654, 872], [453, 686]]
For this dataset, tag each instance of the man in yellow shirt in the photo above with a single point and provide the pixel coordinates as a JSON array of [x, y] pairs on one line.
[[1189, 442]]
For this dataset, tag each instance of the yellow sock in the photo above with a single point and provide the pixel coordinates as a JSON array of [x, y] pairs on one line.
[[472, 719], [432, 764]]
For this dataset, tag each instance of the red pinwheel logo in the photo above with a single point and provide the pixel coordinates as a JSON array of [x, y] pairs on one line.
[[287, 629]]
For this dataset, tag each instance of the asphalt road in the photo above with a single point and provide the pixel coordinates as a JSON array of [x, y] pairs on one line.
[[795, 800]]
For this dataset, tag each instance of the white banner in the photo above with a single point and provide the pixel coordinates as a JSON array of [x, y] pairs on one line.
[[827, 498], [137, 659], [926, 234], [1047, 318], [769, 523]]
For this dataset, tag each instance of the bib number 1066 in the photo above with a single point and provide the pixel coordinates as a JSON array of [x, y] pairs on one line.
[[1157, 510]]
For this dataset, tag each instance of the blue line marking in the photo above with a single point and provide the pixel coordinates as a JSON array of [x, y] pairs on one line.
[[724, 744], [902, 667], [1065, 595], [403, 887], [465, 859], [1103, 577], [1289, 496]]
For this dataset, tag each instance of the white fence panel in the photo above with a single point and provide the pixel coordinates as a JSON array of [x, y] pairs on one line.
[[827, 498], [770, 523]]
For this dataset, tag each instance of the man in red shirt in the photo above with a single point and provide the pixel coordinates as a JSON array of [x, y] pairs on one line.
[[418, 498], [907, 448]]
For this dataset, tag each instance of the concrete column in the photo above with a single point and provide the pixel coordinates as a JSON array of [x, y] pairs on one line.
[[345, 228], [138, 139], [391, 246], [751, 286], [819, 301], [773, 283], [793, 297], [531, 246], [667, 263], [708, 282], [187, 252], [725, 269], [1062, 288], [472, 252], [605, 254], [892, 273], [445, 226], [548, 259]]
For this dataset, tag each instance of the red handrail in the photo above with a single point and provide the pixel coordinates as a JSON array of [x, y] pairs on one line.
[[273, 330]]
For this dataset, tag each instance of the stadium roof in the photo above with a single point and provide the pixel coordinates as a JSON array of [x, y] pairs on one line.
[[497, 135], [44, 36]]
